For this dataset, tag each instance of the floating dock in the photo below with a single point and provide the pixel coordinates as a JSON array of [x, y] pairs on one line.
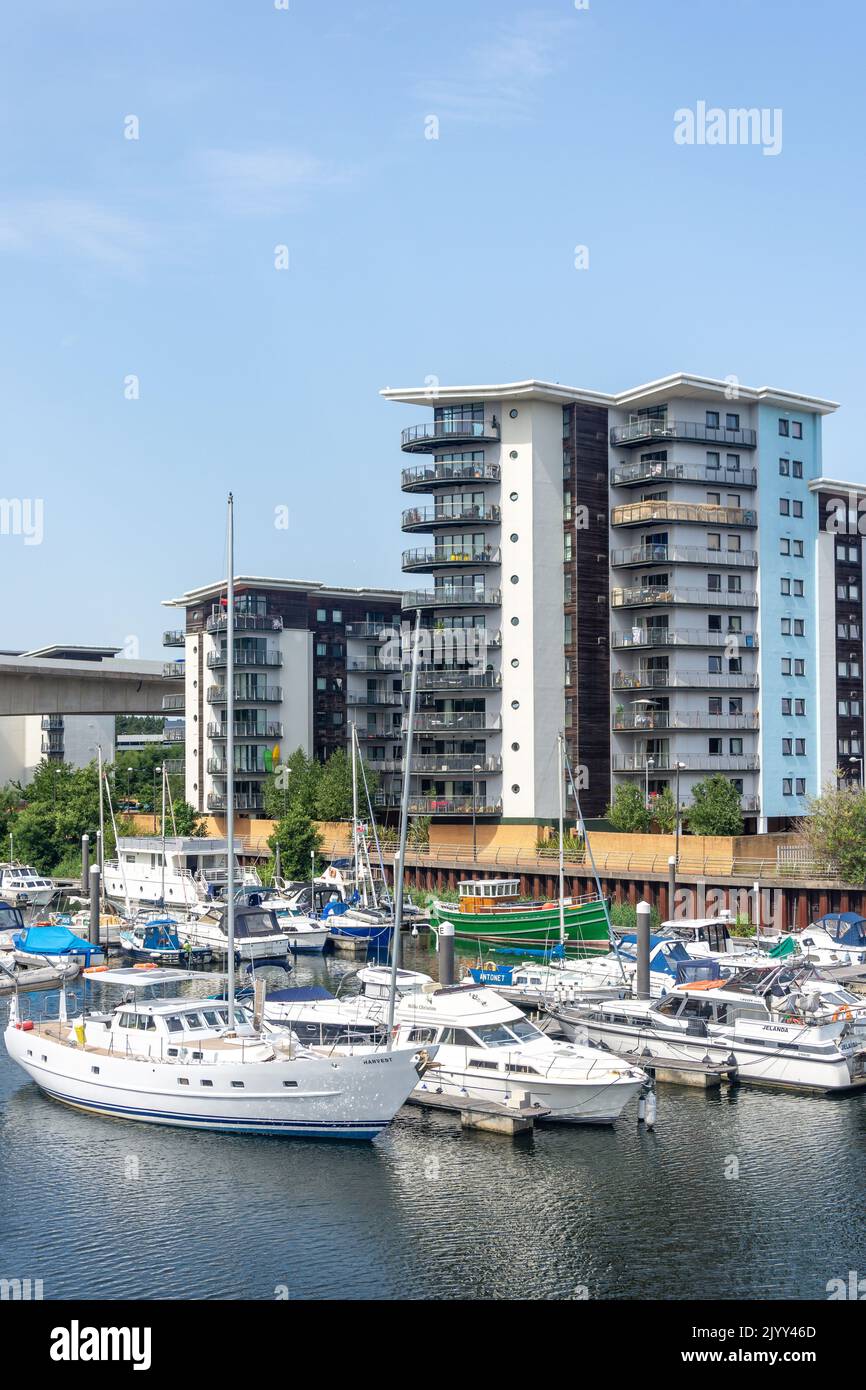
[[688, 1071], [487, 1115]]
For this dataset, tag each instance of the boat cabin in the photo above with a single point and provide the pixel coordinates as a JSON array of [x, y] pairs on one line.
[[486, 894], [171, 1029], [714, 931], [845, 929]]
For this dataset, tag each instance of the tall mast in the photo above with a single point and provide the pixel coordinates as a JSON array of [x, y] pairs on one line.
[[400, 858], [560, 773], [101, 825], [162, 881], [355, 811], [230, 759]]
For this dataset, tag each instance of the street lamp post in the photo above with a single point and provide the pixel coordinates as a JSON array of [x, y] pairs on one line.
[[476, 769], [858, 763], [650, 762], [679, 766]]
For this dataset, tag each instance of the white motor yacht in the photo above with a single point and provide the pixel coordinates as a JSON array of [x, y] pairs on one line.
[[23, 886]]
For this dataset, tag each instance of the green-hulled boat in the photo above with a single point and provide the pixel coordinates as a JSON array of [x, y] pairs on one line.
[[489, 911]]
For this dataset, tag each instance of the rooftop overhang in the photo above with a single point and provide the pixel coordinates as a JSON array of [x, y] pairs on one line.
[[550, 391], [207, 593], [834, 486]]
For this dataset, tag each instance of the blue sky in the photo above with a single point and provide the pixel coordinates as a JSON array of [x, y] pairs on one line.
[[408, 258]]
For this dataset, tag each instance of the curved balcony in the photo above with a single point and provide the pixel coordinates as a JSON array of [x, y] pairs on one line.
[[430, 518], [176, 637], [654, 596], [459, 680], [683, 555], [216, 660], [444, 557], [175, 735], [696, 762], [267, 695], [681, 637], [682, 680], [244, 801], [453, 806], [246, 622], [455, 597], [682, 719], [427, 477], [245, 731], [689, 431], [690, 513], [639, 474], [450, 722], [174, 670], [440, 434]]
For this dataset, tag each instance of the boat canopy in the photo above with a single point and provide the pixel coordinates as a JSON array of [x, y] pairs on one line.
[[299, 994], [846, 928], [665, 954], [690, 971], [489, 888], [53, 941]]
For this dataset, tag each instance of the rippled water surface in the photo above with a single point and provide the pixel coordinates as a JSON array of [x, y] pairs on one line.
[[430, 1211]]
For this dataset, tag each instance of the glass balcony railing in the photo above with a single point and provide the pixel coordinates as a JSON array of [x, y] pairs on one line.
[[459, 513], [683, 555], [427, 477], [689, 431], [683, 680], [466, 596], [454, 429], [692, 513], [684, 637], [659, 471], [654, 595]]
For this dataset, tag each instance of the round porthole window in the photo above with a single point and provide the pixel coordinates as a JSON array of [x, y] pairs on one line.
[[514, 536], [515, 579], [515, 788], [513, 414], [515, 747], [515, 704], [513, 454], [513, 496], [514, 661], [515, 622]]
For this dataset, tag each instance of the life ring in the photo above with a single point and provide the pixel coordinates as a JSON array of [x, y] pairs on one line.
[[490, 965], [843, 1012]]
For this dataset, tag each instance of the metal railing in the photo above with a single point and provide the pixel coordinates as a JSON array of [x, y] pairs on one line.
[[682, 555], [456, 597], [452, 806], [431, 475], [625, 474], [654, 594], [453, 762], [269, 729], [376, 697], [174, 670], [459, 680], [174, 735], [682, 637], [457, 427], [682, 719], [701, 762], [689, 430], [269, 695], [246, 622], [427, 723], [243, 802], [703, 514], [170, 702], [244, 657], [218, 767], [174, 637], [670, 680], [446, 555], [422, 517]]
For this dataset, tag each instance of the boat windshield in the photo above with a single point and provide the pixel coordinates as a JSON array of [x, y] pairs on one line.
[[493, 1035], [524, 1031]]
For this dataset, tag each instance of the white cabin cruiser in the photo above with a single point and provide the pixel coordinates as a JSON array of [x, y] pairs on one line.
[[177, 1062], [183, 871], [838, 938], [258, 934], [21, 885], [782, 1027], [304, 934], [540, 984]]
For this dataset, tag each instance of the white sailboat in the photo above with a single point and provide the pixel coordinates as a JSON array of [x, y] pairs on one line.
[[204, 1064]]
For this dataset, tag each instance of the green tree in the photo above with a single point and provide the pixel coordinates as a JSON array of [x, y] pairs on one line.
[[293, 784], [187, 820], [297, 838], [715, 808], [627, 811], [835, 830], [334, 790], [36, 838], [10, 800], [664, 811]]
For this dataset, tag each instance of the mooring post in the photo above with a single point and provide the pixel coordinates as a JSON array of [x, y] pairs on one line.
[[278, 867], [446, 954], [93, 929], [672, 884], [85, 865], [643, 951]]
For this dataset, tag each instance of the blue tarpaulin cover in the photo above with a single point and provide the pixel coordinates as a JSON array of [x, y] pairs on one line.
[[300, 994], [52, 941]]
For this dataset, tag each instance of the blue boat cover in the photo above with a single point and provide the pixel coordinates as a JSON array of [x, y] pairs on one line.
[[664, 962], [846, 928], [300, 994], [52, 941], [690, 971]]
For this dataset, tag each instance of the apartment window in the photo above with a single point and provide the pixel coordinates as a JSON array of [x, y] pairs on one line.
[[796, 429], [321, 649], [735, 584], [569, 630], [732, 462], [714, 583], [786, 666], [715, 704], [798, 588], [800, 747], [715, 747], [566, 506], [714, 540], [797, 549], [786, 704], [800, 706], [783, 428], [787, 747], [568, 587], [734, 499], [784, 467], [786, 627], [321, 683], [784, 506], [784, 546], [714, 622], [714, 461], [787, 786], [712, 419], [797, 508], [785, 586], [735, 704], [799, 666], [337, 615], [567, 538], [735, 666], [714, 665], [735, 747], [735, 542], [799, 627], [800, 783], [732, 422], [714, 499], [797, 468]]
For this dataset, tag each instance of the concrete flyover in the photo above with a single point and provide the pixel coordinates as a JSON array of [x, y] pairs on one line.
[[30, 685]]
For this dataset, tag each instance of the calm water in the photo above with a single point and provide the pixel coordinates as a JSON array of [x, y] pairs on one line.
[[429, 1211]]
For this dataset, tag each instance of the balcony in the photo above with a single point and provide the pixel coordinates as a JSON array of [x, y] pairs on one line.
[[429, 518], [458, 645], [459, 680], [376, 697], [457, 597], [689, 431], [452, 806], [682, 680], [639, 474], [372, 664], [216, 660], [53, 722], [53, 747], [245, 622], [220, 731], [682, 719], [371, 632], [175, 637], [681, 637], [445, 763], [244, 801], [691, 513], [377, 734], [436, 434], [653, 595], [427, 477], [174, 736], [172, 702], [218, 767], [661, 762], [267, 695], [449, 722], [444, 557], [174, 766], [174, 670], [683, 555]]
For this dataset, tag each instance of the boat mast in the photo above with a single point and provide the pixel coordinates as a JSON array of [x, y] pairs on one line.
[[101, 826], [400, 857], [560, 775], [230, 760], [355, 812], [162, 876]]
